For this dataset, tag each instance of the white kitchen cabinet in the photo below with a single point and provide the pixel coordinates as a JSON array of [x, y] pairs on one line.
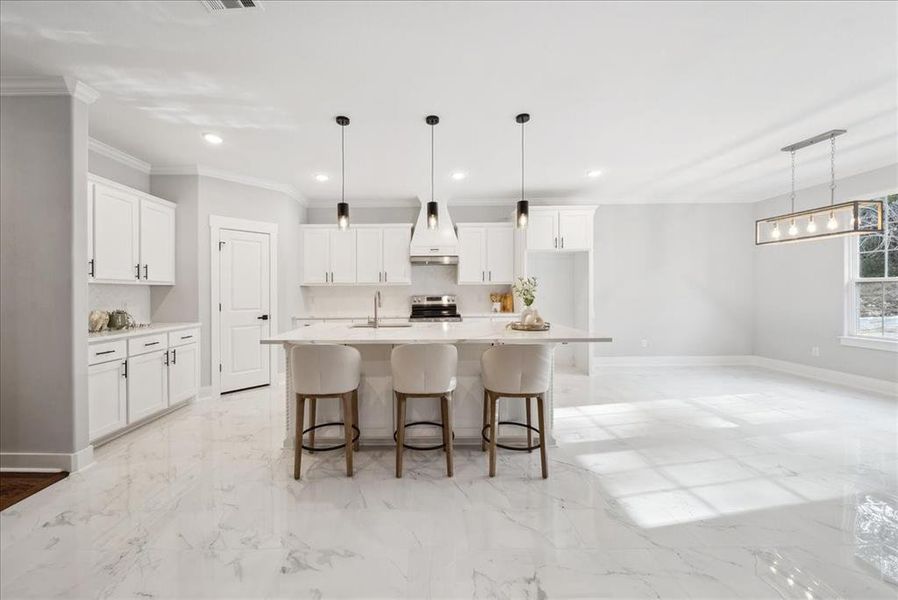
[[485, 253], [116, 234], [397, 266], [183, 373], [131, 235], [316, 256], [364, 255], [343, 255], [147, 385], [107, 398], [553, 228], [369, 255], [157, 242]]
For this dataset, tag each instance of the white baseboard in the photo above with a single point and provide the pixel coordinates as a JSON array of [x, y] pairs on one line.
[[870, 384], [671, 361], [46, 461]]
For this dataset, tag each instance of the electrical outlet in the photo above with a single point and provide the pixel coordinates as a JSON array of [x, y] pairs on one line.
[[644, 343], [815, 350]]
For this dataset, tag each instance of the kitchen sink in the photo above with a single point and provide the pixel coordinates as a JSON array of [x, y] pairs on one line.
[[380, 326]]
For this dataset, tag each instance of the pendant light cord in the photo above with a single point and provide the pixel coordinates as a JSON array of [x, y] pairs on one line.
[[793, 181], [832, 171], [522, 161], [431, 162], [342, 164]]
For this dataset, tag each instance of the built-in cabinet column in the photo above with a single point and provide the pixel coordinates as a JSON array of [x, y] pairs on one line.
[[565, 228]]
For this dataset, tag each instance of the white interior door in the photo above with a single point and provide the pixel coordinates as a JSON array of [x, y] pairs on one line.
[[397, 265], [500, 254], [369, 263], [245, 289], [116, 234], [157, 242], [471, 255], [542, 230]]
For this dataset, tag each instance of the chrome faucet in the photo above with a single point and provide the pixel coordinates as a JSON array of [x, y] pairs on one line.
[[377, 304]]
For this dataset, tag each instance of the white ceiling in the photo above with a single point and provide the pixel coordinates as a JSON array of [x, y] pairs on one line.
[[674, 102]]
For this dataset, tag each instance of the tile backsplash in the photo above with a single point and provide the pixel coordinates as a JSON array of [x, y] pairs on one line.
[[357, 300], [133, 298]]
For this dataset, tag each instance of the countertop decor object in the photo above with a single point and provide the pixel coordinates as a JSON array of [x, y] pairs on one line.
[[120, 319], [520, 326], [525, 289], [97, 321]]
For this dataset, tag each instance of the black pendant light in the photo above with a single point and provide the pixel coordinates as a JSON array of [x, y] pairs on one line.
[[433, 214], [523, 211], [342, 205]]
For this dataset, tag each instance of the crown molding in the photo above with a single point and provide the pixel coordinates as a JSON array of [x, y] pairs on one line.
[[95, 145], [204, 171], [48, 86]]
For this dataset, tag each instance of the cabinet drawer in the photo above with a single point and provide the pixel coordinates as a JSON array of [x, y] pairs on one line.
[[147, 343], [101, 352], [182, 337]]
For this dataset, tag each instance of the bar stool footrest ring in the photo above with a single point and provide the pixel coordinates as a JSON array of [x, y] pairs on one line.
[[524, 448], [415, 423], [355, 437]]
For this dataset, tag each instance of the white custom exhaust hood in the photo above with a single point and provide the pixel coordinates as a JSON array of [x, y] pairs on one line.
[[438, 246]]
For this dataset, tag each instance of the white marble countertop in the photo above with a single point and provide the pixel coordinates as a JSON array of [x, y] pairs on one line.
[[117, 334], [404, 317], [470, 332]]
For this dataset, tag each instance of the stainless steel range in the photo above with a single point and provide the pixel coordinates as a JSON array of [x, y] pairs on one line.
[[434, 308]]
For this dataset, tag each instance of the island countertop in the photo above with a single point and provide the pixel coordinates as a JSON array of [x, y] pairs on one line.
[[464, 332]]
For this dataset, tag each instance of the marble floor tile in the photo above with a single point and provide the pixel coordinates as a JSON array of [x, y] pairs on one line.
[[710, 482]]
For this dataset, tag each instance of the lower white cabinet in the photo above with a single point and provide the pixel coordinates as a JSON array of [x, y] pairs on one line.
[[183, 373], [107, 398], [147, 385]]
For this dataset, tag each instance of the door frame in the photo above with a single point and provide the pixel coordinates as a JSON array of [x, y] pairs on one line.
[[216, 224]]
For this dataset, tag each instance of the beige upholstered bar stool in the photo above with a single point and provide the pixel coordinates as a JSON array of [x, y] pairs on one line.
[[515, 371], [325, 371], [424, 371]]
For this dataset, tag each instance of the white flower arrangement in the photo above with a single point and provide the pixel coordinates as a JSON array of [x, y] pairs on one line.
[[525, 289]]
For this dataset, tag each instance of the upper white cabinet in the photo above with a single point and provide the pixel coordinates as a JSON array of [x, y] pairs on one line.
[[485, 253], [363, 254], [560, 228], [131, 235]]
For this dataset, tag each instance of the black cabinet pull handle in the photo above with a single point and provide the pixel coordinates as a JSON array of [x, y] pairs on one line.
[[105, 352], [91, 272], [151, 343], [263, 318], [125, 364], [146, 271], [186, 337], [165, 359], [137, 266], [174, 356]]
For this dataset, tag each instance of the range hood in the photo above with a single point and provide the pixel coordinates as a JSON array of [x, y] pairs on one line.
[[434, 246]]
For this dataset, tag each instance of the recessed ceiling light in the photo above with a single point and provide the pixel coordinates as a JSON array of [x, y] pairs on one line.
[[594, 173], [212, 138], [321, 177], [459, 175]]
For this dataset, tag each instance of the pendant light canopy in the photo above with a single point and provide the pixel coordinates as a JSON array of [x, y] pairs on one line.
[[523, 208], [847, 218], [433, 211], [342, 206]]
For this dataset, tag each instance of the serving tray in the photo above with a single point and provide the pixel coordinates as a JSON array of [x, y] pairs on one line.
[[519, 326]]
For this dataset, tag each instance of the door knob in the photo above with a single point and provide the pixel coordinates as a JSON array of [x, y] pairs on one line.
[[263, 318]]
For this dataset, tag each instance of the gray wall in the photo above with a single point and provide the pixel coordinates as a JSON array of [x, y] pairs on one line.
[[43, 275], [118, 172], [676, 275], [799, 289]]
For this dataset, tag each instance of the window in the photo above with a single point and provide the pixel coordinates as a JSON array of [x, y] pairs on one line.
[[874, 279]]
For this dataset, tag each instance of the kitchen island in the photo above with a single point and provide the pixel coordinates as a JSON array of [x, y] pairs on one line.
[[376, 404]]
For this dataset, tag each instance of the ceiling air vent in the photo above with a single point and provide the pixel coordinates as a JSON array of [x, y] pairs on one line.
[[215, 6]]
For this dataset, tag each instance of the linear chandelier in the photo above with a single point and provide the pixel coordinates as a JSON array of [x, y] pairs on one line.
[[845, 218]]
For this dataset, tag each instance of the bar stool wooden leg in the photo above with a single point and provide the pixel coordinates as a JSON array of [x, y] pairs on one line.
[[400, 432], [297, 445], [313, 406], [447, 433], [443, 420], [347, 431], [540, 409], [486, 407], [494, 430], [355, 415], [529, 431]]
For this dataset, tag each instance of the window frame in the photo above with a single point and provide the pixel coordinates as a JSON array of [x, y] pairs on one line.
[[852, 278]]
